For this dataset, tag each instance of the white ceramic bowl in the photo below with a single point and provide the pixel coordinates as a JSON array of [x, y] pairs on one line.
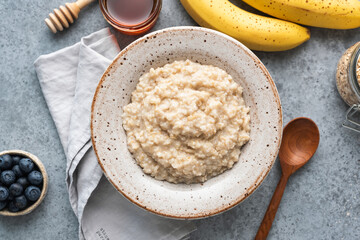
[[206, 47]]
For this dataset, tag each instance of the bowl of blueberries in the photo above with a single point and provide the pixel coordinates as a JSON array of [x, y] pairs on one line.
[[23, 182]]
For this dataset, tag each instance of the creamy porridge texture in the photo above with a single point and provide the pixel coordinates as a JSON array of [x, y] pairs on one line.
[[186, 122]]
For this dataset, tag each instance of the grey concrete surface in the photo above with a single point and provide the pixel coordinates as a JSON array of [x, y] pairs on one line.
[[322, 200]]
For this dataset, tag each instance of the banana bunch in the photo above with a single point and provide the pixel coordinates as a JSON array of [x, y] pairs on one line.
[[270, 34], [336, 14]]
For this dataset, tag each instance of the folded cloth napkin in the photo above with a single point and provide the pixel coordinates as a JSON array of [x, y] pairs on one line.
[[68, 79]]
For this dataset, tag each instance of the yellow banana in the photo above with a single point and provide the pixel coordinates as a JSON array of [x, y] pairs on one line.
[[337, 14], [255, 31]]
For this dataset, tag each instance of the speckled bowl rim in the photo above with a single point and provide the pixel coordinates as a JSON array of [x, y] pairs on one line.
[[259, 180], [44, 188]]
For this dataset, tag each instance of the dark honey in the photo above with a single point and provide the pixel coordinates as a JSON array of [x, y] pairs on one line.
[[130, 12], [131, 16]]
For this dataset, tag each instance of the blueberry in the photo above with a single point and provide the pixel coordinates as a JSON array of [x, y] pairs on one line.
[[16, 160], [35, 177], [11, 197], [17, 171], [12, 207], [23, 181], [7, 177], [3, 204], [26, 165], [4, 193], [20, 202], [16, 189], [5, 162], [32, 193]]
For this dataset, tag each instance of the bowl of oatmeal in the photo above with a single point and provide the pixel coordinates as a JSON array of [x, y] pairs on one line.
[[186, 122]]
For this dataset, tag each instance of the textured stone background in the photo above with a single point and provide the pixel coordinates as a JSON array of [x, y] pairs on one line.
[[322, 200]]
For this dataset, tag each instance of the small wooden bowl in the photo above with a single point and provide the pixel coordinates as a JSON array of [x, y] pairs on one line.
[[41, 167]]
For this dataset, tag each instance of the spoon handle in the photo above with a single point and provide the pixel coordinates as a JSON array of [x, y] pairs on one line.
[[266, 223]]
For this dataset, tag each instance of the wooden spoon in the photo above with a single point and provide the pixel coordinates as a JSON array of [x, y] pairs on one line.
[[300, 140]]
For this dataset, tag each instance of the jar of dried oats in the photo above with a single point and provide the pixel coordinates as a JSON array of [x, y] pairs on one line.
[[348, 84]]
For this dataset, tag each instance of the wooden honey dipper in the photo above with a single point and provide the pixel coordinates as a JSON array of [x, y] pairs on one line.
[[62, 18]]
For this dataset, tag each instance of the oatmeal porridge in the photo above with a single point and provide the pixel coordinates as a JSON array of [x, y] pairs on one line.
[[186, 122]]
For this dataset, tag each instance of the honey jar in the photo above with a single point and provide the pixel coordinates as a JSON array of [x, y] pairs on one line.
[[131, 17]]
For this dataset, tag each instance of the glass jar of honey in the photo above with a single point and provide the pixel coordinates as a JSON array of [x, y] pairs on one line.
[[131, 17]]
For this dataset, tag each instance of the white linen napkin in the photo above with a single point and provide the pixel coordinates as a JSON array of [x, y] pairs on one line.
[[68, 79]]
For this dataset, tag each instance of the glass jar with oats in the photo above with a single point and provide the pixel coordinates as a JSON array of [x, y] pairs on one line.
[[348, 85]]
